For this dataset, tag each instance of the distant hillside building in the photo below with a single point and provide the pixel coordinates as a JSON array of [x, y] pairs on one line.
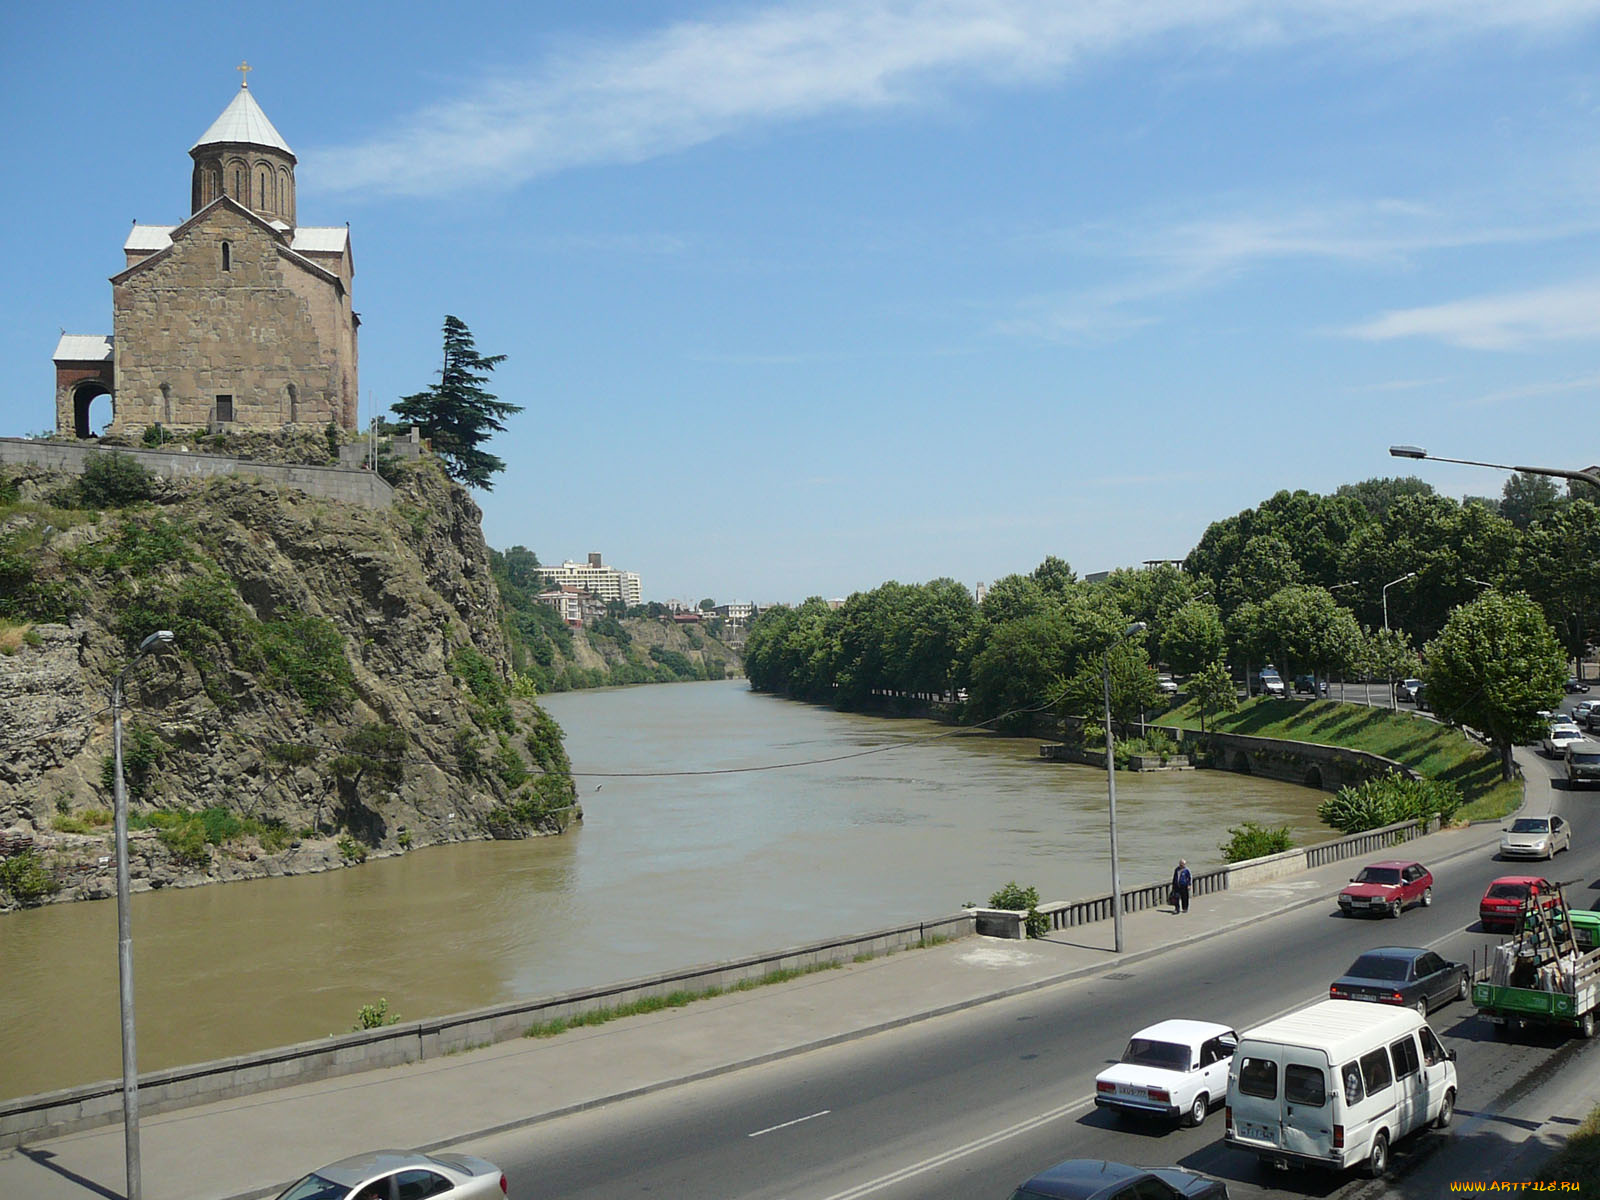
[[595, 577], [576, 606], [237, 317]]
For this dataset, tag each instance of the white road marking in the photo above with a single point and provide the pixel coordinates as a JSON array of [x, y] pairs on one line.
[[939, 1160], [786, 1124], [1001, 1135]]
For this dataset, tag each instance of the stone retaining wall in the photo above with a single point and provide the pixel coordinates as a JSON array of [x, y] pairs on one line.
[[332, 483], [36, 1118]]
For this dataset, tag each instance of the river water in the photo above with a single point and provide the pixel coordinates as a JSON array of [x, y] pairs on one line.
[[693, 849]]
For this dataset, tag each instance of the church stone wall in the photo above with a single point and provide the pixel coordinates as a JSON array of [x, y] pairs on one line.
[[253, 332]]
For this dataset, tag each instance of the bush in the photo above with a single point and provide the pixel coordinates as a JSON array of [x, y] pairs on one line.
[[1254, 840], [375, 1016], [351, 850], [307, 654], [114, 481], [27, 878], [1388, 799], [1018, 898], [142, 752]]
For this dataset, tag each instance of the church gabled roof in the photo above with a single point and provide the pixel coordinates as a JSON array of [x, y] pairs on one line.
[[243, 122], [178, 231], [83, 347]]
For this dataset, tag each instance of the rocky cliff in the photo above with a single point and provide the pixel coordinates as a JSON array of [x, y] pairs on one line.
[[338, 685]]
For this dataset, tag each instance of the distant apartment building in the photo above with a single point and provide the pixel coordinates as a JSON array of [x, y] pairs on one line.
[[738, 614], [597, 579], [575, 605]]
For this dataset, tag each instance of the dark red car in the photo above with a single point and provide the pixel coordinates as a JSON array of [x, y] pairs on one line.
[[1503, 901], [1387, 887]]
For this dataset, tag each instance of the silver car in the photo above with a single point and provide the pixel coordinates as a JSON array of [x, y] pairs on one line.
[[1536, 837], [401, 1175]]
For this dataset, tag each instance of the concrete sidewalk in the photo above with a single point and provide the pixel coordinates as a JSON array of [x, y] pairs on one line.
[[275, 1136]]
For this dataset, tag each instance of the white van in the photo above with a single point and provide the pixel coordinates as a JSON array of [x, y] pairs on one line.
[[1336, 1084]]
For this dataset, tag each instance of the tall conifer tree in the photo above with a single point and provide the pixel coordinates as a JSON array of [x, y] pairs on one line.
[[457, 414]]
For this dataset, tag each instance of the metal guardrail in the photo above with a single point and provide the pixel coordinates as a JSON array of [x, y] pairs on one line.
[[1065, 914]]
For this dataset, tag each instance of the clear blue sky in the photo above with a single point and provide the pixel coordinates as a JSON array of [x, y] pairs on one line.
[[804, 297]]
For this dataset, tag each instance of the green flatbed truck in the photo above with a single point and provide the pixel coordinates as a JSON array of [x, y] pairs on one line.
[[1549, 976], [1512, 1007]]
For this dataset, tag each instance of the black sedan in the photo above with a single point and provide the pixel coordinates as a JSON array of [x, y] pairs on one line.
[[1405, 975], [1094, 1179]]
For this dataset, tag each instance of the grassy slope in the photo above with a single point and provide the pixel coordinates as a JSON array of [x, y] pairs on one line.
[[1435, 750], [1579, 1160]]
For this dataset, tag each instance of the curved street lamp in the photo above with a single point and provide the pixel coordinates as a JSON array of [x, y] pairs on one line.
[[130, 1068], [1587, 474], [1111, 786], [1386, 587]]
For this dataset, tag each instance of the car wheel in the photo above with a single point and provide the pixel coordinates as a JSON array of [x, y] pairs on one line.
[[1586, 1024], [1378, 1160], [1427, 897], [1394, 909], [1197, 1111], [1464, 988], [1447, 1110], [1422, 1007]]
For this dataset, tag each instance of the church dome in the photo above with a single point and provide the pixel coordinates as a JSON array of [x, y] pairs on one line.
[[243, 123], [243, 156]]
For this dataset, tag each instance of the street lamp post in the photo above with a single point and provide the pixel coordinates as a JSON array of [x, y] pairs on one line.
[[1386, 587], [130, 1067], [1111, 787], [1587, 474]]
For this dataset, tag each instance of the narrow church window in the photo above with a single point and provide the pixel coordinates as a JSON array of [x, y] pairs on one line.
[[238, 186], [294, 405], [227, 257], [166, 403], [224, 408]]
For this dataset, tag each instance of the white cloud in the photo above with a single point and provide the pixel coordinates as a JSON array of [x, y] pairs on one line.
[[1535, 391], [1563, 313], [697, 81]]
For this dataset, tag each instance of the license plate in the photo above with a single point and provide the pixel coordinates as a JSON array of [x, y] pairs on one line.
[[1259, 1133], [1360, 902], [1136, 1093]]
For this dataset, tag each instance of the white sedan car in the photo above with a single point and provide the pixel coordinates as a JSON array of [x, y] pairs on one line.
[[1535, 837], [401, 1175], [1555, 742], [1172, 1069]]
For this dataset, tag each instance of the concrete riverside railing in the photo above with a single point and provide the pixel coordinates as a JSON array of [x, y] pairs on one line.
[[332, 483], [1065, 914], [34, 1118]]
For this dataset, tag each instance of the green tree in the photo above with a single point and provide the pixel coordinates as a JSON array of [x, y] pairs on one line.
[[1306, 627], [1494, 665], [1214, 690], [1193, 636], [458, 414], [1527, 498], [1558, 569]]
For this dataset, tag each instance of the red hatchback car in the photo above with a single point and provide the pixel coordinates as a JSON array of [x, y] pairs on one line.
[[1387, 887], [1500, 904]]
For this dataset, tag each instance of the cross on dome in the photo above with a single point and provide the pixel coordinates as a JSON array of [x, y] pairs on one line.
[[244, 70]]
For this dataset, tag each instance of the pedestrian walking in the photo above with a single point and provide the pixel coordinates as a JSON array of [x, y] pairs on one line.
[[1181, 879]]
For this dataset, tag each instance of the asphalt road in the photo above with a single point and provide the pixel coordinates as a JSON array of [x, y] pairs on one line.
[[969, 1105]]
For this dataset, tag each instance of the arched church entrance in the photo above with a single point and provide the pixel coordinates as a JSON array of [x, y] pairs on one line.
[[83, 398]]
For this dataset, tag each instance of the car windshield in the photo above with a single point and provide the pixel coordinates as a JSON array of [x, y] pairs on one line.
[[1379, 875], [1167, 1056], [1377, 966], [1508, 891], [1531, 825], [315, 1187], [1587, 757]]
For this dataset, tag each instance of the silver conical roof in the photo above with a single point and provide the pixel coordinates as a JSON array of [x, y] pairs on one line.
[[243, 122]]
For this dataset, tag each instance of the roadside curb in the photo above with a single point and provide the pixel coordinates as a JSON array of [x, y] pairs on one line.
[[837, 1039]]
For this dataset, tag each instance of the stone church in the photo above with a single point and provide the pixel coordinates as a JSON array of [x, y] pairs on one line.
[[236, 318]]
